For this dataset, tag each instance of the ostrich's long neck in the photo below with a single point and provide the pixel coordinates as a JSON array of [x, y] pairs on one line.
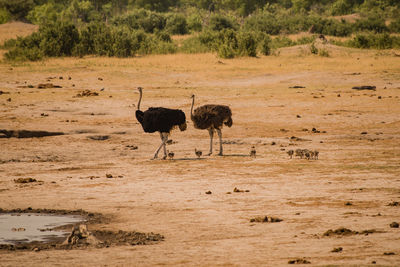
[[191, 109], [140, 99]]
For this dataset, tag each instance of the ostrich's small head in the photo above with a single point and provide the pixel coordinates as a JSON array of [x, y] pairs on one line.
[[192, 96], [140, 89], [183, 126]]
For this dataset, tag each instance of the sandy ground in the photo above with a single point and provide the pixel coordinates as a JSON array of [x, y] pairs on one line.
[[351, 185]]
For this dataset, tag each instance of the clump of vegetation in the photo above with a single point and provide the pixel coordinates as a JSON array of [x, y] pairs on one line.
[[229, 28]]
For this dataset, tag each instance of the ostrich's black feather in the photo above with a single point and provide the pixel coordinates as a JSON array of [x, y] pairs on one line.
[[139, 116], [160, 119], [212, 116]]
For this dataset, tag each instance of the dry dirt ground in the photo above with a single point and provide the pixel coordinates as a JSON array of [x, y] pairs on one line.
[[354, 184]]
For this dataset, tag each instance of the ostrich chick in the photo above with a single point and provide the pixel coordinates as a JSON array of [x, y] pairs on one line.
[[290, 153], [253, 152], [198, 153], [171, 155], [316, 153]]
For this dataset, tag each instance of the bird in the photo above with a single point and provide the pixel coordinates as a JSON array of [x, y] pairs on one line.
[[171, 155], [253, 152], [290, 153], [316, 153], [211, 117], [162, 120], [198, 153]]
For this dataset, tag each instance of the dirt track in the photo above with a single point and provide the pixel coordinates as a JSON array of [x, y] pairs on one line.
[[351, 185]]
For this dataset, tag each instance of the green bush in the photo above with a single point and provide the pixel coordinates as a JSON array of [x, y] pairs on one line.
[[193, 45], [373, 23], [142, 19], [176, 24], [394, 26], [220, 22], [377, 41], [4, 15], [194, 22], [247, 45]]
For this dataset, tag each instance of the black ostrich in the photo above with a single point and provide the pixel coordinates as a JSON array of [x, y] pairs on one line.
[[161, 120], [211, 117]]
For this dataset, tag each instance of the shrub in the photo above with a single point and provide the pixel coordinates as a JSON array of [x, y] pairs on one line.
[[247, 45], [4, 15], [194, 23], [263, 22], [373, 23], [194, 45], [176, 24], [219, 22], [395, 26]]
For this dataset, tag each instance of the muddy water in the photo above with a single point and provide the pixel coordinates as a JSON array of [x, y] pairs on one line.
[[25, 228]]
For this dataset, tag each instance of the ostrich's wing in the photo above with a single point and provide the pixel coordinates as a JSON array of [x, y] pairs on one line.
[[162, 119], [139, 116]]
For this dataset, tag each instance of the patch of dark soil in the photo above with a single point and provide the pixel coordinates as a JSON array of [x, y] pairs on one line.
[[389, 253], [85, 131], [237, 190], [87, 92], [299, 261], [264, 219], [47, 85], [99, 137], [346, 232], [394, 204], [25, 180], [28, 134], [364, 87], [336, 250]]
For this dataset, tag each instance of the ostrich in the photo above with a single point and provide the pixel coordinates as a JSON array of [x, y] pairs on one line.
[[290, 153], [211, 117], [198, 153], [253, 152], [161, 120]]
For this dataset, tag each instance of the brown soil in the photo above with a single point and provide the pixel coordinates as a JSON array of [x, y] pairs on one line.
[[168, 196]]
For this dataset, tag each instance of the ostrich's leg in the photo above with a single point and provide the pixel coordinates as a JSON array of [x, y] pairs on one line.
[[211, 133], [163, 141], [165, 135], [220, 141]]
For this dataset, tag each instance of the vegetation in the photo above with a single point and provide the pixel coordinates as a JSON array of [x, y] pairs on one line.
[[230, 28]]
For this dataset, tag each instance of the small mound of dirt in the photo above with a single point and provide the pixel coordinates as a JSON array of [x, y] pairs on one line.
[[336, 250], [25, 180], [394, 204], [99, 137], [28, 134], [364, 87], [299, 261], [237, 190], [263, 219], [87, 92], [346, 232], [47, 85]]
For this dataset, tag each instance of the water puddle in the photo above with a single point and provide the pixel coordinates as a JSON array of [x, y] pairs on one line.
[[17, 228]]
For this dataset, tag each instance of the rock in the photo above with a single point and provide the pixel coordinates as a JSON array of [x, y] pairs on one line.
[[394, 225]]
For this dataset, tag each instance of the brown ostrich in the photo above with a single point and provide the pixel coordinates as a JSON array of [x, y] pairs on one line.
[[212, 118]]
